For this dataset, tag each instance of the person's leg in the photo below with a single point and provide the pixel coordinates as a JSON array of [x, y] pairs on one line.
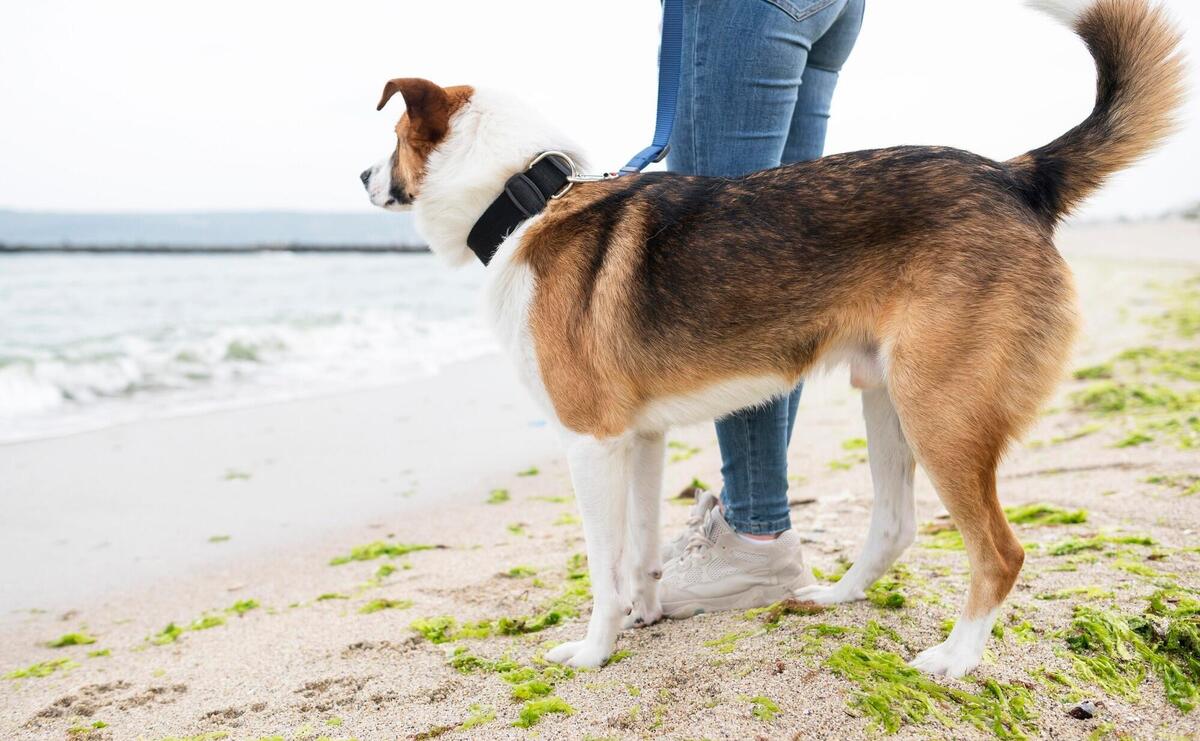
[[741, 73], [810, 118], [743, 62]]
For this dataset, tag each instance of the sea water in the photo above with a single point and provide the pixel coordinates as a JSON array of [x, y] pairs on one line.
[[87, 341]]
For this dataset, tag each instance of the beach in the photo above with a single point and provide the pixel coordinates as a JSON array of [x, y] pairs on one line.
[[392, 561]]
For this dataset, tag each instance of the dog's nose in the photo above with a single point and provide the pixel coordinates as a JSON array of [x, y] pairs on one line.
[[365, 177]]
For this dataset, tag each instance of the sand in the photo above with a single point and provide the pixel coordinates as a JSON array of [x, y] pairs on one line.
[[107, 534]]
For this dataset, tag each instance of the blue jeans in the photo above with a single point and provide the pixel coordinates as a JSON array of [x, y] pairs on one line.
[[758, 78]]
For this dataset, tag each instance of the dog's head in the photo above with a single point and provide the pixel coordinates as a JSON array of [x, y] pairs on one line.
[[455, 148], [394, 183]]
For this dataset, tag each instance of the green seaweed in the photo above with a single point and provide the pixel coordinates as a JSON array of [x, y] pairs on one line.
[[945, 540], [842, 565], [763, 708], [100, 652], [1112, 397], [566, 603], [382, 603], [1136, 568], [1183, 310], [617, 657], [728, 642], [71, 639], [480, 715], [533, 711], [204, 622], [241, 607], [568, 518], [1072, 546], [1082, 432], [531, 471], [558, 499], [169, 634], [1115, 652], [438, 629], [219, 538], [1089, 592], [893, 694], [42, 669], [331, 595], [519, 572], [379, 549], [1185, 484], [1176, 364], [1044, 514], [1134, 439], [681, 451], [847, 462], [1094, 372], [855, 443], [498, 496], [887, 593], [517, 528], [233, 474]]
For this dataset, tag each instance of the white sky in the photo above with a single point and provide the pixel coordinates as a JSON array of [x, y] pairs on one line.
[[152, 105]]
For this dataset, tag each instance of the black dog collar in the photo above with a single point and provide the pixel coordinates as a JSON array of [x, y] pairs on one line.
[[525, 195]]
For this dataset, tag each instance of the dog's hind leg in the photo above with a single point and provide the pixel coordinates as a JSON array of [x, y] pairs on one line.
[[600, 473], [959, 427], [893, 516], [643, 562]]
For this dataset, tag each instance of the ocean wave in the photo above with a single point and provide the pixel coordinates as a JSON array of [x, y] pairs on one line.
[[187, 367]]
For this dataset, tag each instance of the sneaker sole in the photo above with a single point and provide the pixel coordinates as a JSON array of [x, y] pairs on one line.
[[760, 596]]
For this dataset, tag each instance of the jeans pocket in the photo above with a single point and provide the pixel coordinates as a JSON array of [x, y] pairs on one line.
[[799, 9]]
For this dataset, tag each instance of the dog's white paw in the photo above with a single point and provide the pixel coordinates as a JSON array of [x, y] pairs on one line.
[[642, 616], [951, 659], [580, 654], [830, 595]]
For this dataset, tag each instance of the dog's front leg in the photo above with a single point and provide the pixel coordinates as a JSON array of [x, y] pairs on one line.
[[600, 474], [644, 562]]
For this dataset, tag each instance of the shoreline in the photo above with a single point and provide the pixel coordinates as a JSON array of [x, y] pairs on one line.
[[224, 465]]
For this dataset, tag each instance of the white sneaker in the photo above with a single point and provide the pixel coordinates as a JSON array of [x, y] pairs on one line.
[[695, 523], [721, 570]]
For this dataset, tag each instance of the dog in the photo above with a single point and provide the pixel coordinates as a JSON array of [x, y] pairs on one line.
[[635, 303]]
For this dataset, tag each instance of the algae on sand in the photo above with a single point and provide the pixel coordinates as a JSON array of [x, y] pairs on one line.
[[893, 694], [42, 669], [379, 549], [71, 639], [532, 711], [1115, 652]]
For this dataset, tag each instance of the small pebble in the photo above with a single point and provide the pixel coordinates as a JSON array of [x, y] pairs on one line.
[[1083, 710]]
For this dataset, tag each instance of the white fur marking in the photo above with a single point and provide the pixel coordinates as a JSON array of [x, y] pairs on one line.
[[711, 402], [961, 651], [893, 515], [1064, 11]]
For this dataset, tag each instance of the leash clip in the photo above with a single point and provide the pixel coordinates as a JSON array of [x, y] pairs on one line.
[[574, 175]]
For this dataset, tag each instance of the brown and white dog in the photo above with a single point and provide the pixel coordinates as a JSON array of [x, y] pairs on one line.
[[634, 304]]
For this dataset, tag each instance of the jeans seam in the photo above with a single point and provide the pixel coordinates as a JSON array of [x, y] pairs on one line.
[[800, 15], [697, 68]]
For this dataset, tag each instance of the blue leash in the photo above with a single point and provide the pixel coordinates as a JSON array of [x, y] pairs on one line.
[[670, 59]]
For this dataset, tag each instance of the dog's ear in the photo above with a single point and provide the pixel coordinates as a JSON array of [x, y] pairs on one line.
[[428, 107]]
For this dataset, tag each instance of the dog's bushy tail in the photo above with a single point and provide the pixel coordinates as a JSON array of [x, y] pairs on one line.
[[1139, 87]]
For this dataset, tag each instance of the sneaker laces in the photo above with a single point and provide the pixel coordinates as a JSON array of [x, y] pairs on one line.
[[697, 545], [697, 516]]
